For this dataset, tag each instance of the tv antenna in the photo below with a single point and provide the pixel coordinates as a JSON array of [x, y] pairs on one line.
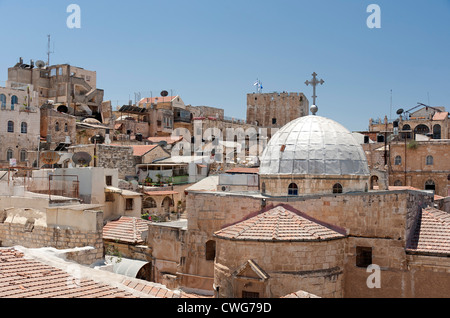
[[48, 50]]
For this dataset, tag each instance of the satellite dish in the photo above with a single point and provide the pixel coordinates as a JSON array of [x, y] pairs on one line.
[[162, 143], [81, 158], [49, 157], [400, 111], [164, 93], [40, 63]]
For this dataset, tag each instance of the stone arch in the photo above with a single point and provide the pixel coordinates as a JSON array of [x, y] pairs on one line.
[[166, 204], [293, 189], [437, 131], [149, 203], [381, 179], [430, 185], [422, 129]]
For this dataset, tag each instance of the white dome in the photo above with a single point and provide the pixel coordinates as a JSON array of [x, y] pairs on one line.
[[313, 145]]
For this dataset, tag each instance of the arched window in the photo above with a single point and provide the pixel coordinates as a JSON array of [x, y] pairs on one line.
[[210, 250], [23, 155], [373, 182], [293, 189], [56, 126], [398, 183], [3, 101], [429, 161], [66, 128], [397, 160], [437, 132], [23, 128], [406, 128], [10, 126], [421, 129], [337, 188], [430, 185], [9, 154], [14, 101], [263, 188], [149, 203]]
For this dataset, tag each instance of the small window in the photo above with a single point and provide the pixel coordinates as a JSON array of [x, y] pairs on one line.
[[109, 197], [14, 101], [108, 180], [129, 204], [363, 256], [398, 161], [23, 155], [293, 189], [274, 121], [56, 126], [3, 101], [9, 154], [337, 188], [398, 183], [23, 128], [10, 126], [429, 161], [66, 127], [210, 250], [263, 188]]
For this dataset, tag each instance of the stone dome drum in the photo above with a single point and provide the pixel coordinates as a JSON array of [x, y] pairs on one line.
[[315, 153]]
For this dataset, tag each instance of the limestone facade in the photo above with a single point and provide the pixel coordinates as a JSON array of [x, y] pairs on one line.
[[19, 122], [275, 109]]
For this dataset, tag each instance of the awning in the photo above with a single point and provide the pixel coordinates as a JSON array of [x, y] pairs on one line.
[[125, 266]]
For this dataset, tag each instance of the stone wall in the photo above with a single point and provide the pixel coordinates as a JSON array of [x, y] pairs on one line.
[[34, 229], [384, 216], [314, 267], [417, 171], [284, 107]]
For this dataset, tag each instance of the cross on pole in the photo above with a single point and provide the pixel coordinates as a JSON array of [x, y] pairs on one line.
[[314, 82]]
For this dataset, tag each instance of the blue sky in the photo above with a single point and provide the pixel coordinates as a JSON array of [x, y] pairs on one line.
[[211, 52]]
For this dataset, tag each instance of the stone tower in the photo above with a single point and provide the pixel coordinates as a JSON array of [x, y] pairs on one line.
[[274, 110]]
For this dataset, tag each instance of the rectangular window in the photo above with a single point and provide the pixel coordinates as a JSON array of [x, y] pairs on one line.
[[129, 204], [108, 180], [363, 256]]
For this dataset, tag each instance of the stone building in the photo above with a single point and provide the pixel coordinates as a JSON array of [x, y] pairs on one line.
[[56, 127], [234, 244], [275, 109], [71, 89], [421, 164], [19, 119]]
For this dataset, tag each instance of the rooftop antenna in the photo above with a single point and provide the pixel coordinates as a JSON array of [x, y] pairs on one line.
[[48, 50], [390, 114]]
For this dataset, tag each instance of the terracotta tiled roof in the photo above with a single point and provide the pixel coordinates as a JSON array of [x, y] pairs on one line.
[[440, 116], [432, 233], [140, 150], [281, 223], [28, 278], [126, 229]]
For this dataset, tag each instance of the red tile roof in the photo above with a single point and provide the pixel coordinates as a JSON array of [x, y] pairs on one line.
[[140, 150], [281, 223], [29, 278], [126, 229], [440, 116], [432, 233]]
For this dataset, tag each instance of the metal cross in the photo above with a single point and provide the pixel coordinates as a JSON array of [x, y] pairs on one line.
[[314, 82]]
